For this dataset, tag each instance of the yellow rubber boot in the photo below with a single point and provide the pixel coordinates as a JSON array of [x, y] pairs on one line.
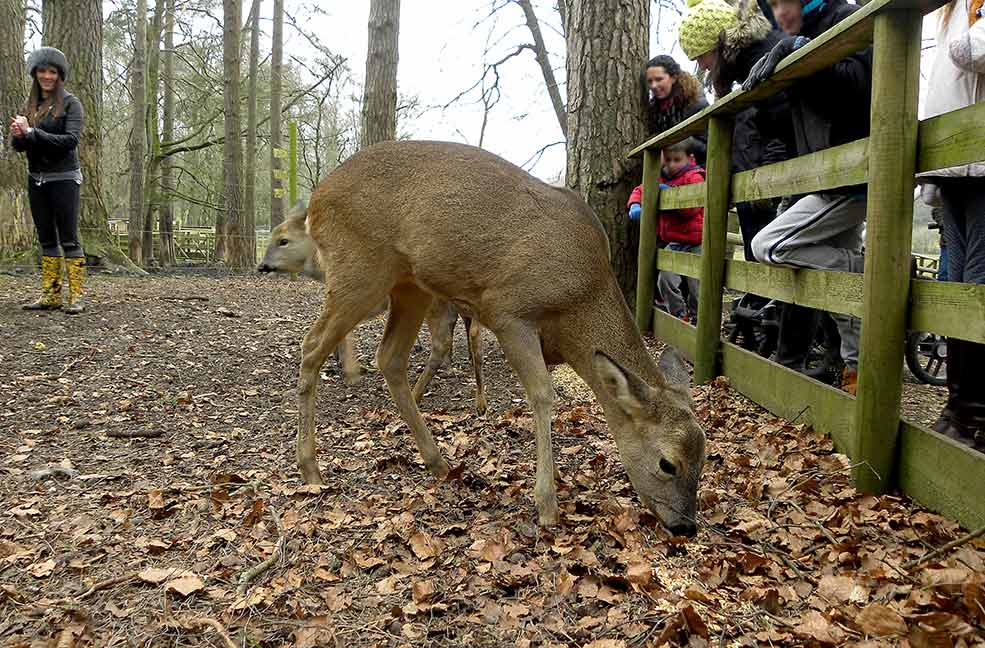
[[51, 285], [76, 277]]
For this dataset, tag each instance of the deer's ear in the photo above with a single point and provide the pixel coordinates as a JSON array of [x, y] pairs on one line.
[[673, 367], [626, 388]]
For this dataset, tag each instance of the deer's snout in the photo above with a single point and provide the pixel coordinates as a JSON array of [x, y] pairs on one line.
[[263, 267], [686, 529]]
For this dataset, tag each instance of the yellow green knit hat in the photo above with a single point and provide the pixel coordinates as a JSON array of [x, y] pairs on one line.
[[702, 24]]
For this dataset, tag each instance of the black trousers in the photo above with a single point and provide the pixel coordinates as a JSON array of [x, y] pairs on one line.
[[55, 210]]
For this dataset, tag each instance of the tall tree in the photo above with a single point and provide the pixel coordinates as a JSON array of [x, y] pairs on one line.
[[166, 211], [76, 28], [153, 83], [138, 135], [276, 141], [606, 43], [16, 231], [249, 197], [379, 115], [229, 221], [540, 51]]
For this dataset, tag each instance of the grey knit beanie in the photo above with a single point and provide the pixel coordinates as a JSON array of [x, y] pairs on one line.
[[48, 56]]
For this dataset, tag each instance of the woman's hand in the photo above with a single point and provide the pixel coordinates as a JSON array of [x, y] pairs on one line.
[[21, 122]]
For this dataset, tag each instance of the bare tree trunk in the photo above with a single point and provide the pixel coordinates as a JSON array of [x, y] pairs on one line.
[[540, 50], [231, 232], [276, 141], [165, 224], [153, 83], [16, 230], [606, 44], [379, 116], [76, 28], [249, 197], [138, 134]]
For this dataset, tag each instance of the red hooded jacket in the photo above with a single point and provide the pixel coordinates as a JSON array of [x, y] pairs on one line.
[[678, 225]]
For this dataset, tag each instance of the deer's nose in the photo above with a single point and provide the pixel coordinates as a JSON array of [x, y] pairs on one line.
[[687, 529], [263, 267]]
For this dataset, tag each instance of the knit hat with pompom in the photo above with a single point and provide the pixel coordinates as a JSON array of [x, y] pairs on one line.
[[703, 23]]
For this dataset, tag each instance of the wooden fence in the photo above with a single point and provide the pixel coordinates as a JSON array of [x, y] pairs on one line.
[[193, 245], [886, 450]]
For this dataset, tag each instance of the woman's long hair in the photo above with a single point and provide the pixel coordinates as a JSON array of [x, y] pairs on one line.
[[684, 91], [38, 106]]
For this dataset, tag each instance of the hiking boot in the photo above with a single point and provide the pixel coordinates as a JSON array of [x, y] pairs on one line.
[[849, 381], [51, 285], [797, 325], [76, 277]]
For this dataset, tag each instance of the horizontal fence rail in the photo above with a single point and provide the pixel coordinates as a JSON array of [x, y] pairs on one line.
[[887, 451]]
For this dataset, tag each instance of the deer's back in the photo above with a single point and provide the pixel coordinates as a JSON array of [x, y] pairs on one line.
[[463, 223]]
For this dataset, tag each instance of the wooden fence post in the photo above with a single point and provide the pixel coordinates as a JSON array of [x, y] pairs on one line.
[[892, 163], [713, 237], [647, 254]]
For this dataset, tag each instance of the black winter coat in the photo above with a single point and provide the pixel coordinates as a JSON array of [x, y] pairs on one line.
[[832, 107], [762, 134], [53, 144]]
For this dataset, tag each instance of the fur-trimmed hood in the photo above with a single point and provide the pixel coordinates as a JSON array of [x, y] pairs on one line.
[[751, 27]]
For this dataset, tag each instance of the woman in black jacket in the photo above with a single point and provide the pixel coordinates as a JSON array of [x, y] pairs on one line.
[[48, 132], [670, 94]]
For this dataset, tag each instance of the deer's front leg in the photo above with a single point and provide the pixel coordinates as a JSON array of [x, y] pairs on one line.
[[521, 344]]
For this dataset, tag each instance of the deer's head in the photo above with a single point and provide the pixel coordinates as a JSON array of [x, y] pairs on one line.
[[290, 245], [661, 442]]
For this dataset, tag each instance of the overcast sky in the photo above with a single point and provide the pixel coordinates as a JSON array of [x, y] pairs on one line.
[[442, 47]]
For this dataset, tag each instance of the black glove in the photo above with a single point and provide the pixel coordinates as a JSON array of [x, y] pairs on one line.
[[765, 66]]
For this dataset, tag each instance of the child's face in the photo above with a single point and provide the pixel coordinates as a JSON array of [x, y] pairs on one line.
[[674, 161], [788, 15]]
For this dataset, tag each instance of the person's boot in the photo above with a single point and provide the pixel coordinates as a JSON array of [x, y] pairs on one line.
[[51, 285], [849, 381], [967, 424], [829, 368], [952, 363], [797, 324], [76, 277]]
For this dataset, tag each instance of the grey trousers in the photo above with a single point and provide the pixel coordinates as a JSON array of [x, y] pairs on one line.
[[823, 232], [669, 285]]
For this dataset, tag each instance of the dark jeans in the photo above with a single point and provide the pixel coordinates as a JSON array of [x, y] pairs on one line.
[[55, 209], [964, 228]]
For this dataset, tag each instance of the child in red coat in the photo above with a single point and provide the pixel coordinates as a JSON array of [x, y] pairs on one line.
[[679, 229]]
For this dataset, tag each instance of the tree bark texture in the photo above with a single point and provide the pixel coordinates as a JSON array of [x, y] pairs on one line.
[[165, 224], [76, 28], [540, 51], [379, 111], [249, 195], [16, 229], [276, 140], [138, 134], [606, 43], [229, 221]]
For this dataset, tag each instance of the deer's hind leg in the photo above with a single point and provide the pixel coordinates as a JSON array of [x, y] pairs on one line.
[[408, 306], [441, 323], [474, 331], [521, 345], [341, 312]]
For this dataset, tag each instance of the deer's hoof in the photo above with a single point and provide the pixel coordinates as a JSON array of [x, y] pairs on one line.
[[439, 469], [480, 405], [352, 378]]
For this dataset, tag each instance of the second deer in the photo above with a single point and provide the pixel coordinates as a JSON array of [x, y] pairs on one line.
[[291, 249]]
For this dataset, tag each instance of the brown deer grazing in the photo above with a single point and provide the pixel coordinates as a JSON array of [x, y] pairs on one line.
[[292, 250], [419, 221]]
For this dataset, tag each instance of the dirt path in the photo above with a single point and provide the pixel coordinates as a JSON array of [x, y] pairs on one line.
[[383, 555]]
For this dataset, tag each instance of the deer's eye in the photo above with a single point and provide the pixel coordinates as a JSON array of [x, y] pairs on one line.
[[667, 467], [283, 242]]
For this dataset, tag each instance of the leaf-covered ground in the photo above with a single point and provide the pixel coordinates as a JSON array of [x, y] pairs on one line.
[[108, 541]]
